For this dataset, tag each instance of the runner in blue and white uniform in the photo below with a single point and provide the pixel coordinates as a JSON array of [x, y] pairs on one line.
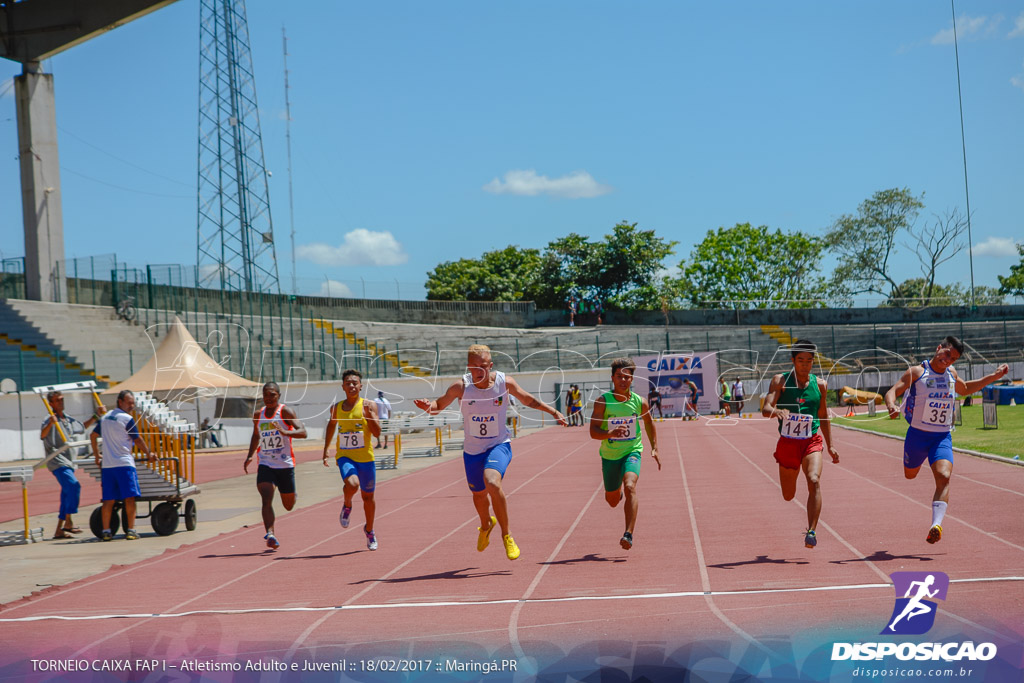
[[483, 395], [931, 390], [273, 428]]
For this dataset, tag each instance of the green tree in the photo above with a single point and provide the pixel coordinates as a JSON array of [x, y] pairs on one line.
[[754, 264], [509, 274], [864, 243], [919, 292], [618, 270], [1013, 283]]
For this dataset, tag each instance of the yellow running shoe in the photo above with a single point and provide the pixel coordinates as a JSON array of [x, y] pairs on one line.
[[511, 549], [934, 534], [484, 539]]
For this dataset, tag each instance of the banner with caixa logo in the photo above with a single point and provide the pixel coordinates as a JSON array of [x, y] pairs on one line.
[[913, 614], [677, 376]]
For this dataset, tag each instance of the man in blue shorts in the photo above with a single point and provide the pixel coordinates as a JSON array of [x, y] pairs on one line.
[[483, 396], [931, 390], [117, 469], [356, 421]]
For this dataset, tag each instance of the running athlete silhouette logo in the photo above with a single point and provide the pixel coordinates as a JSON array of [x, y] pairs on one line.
[[914, 613]]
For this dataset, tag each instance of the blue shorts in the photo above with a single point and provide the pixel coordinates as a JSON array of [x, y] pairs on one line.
[[365, 471], [920, 444], [494, 458], [119, 483]]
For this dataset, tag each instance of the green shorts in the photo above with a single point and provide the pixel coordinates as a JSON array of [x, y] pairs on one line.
[[615, 470]]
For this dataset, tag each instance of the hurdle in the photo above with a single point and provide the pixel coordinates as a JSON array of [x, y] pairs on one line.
[[22, 474]]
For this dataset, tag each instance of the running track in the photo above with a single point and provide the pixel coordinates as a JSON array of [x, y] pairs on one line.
[[712, 521]]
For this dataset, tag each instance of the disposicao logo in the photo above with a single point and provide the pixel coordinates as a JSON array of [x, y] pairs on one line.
[[914, 612]]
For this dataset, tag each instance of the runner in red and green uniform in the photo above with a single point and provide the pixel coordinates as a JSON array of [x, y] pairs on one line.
[[615, 422], [795, 399]]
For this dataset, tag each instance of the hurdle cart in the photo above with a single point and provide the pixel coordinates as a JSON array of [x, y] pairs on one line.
[[166, 484]]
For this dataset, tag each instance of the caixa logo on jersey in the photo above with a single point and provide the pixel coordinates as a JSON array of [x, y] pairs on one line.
[[912, 615]]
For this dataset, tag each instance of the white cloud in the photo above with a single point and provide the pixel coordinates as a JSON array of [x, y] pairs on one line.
[[965, 27], [361, 247], [575, 185], [1018, 27], [996, 246], [335, 289]]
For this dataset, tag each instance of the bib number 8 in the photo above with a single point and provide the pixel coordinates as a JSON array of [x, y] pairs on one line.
[[484, 430]]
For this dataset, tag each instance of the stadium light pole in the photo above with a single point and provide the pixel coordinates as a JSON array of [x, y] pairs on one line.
[[963, 146]]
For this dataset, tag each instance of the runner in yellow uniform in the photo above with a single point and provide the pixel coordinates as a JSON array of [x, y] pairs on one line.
[[355, 421]]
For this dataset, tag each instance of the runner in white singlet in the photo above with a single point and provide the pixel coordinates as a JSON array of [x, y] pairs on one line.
[[484, 395], [273, 428]]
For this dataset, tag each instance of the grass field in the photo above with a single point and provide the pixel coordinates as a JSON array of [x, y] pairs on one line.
[[1007, 440]]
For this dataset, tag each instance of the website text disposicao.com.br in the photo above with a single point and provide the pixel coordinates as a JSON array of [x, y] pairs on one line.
[[903, 673]]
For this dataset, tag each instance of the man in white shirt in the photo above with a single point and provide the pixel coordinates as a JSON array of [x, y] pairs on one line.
[[117, 468], [383, 414]]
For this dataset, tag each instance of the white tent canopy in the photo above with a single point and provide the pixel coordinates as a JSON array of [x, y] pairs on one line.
[[181, 367]]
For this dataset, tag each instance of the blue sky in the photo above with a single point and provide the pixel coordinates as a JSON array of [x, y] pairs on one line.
[[424, 132]]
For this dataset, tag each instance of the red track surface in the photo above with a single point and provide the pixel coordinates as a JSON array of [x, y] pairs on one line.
[[712, 519]]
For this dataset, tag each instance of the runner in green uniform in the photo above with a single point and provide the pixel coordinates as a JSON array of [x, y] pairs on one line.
[[615, 422], [795, 399]]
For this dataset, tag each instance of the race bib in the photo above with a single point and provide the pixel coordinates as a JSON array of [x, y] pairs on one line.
[[938, 412], [271, 440], [627, 422], [484, 428], [348, 441], [797, 426]]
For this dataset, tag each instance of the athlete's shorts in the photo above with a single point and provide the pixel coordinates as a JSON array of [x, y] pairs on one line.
[[614, 471], [366, 471], [494, 458], [574, 409], [920, 444], [119, 483], [789, 453], [281, 477]]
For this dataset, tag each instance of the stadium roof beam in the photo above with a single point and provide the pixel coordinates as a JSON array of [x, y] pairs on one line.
[[31, 31]]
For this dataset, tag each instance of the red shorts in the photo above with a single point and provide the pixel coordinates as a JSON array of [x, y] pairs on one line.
[[789, 453]]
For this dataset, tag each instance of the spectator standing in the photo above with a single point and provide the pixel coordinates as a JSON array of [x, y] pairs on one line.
[[383, 414], [63, 466]]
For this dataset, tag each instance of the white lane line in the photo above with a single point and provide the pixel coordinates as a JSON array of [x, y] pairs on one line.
[[821, 522], [348, 603], [900, 458], [513, 621], [506, 601], [265, 566], [705, 580], [176, 553], [928, 505]]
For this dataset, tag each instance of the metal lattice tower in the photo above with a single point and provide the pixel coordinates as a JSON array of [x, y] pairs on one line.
[[235, 230]]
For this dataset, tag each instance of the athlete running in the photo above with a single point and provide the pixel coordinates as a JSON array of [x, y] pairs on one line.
[[483, 395], [615, 423], [273, 428], [915, 606], [931, 389], [796, 399], [356, 422]]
